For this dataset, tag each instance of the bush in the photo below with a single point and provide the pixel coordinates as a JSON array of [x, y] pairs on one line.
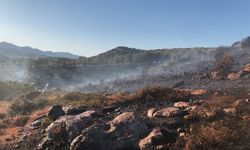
[[82, 99], [25, 107], [224, 60], [21, 120], [21, 107], [159, 93], [11, 88], [233, 132], [211, 137]]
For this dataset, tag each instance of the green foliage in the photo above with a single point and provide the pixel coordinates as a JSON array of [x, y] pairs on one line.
[[82, 99], [12, 88], [21, 120], [25, 107]]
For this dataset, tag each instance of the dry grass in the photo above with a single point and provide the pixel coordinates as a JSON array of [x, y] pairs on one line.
[[4, 106], [8, 133], [20, 120], [154, 93], [230, 132], [211, 137]]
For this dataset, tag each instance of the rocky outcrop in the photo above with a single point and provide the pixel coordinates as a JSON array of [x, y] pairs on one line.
[[158, 136], [73, 110], [233, 76], [181, 104], [65, 129], [169, 112], [123, 132], [152, 139], [246, 68], [55, 112], [242, 72]]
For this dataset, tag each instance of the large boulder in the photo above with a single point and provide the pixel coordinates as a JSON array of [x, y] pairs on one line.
[[55, 112], [244, 71], [169, 112], [158, 136], [65, 129], [73, 110], [123, 132], [246, 68], [233, 76], [152, 139]]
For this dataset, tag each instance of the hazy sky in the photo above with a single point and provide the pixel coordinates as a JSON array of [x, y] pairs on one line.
[[88, 27]]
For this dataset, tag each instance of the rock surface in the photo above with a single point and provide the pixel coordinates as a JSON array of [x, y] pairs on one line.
[[233, 76], [181, 104], [151, 112], [157, 137], [169, 112], [123, 132], [73, 110], [55, 112], [65, 128], [152, 139]]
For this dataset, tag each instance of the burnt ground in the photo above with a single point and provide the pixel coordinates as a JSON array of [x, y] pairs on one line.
[[219, 94]]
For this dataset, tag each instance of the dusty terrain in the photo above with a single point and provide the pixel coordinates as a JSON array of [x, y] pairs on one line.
[[202, 114], [204, 104]]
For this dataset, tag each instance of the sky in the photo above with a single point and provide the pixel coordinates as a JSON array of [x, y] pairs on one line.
[[90, 27]]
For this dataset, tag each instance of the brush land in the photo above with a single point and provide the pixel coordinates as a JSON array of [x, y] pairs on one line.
[[126, 98]]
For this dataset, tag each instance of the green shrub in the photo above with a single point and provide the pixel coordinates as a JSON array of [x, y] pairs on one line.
[[82, 99], [21, 120], [25, 107], [11, 88]]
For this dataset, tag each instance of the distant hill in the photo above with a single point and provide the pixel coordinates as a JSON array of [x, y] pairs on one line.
[[126, 55], [118, 63], [11, 51]]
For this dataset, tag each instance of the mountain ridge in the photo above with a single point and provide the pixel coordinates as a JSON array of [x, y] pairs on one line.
[[10, 50]]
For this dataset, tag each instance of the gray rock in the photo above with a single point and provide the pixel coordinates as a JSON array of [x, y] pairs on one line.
[[169, 112], [158, 136], [55, 112], [123, 132], [65, 129], [36, 123], [73, 110]]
